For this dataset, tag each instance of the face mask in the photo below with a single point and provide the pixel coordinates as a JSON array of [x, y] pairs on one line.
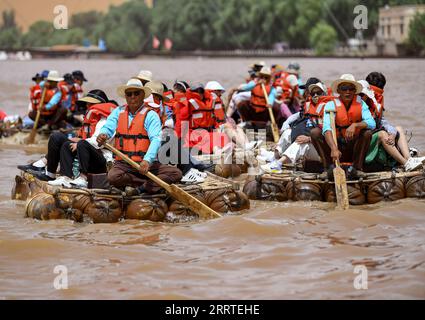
[[315, 99]]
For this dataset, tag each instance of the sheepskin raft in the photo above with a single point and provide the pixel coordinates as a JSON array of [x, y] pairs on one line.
[[45, 202], [300, 186]]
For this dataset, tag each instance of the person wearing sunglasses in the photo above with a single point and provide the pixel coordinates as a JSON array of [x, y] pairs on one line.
[[138, 132], [309, 119], [354, 124]]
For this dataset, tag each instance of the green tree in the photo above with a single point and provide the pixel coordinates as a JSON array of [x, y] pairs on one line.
[[323, 38], [10, 34], [417, 32], [39, 34], [126, 27]]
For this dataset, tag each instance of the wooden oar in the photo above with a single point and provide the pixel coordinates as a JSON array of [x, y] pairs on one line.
[[177, 193], [33, 132], [275, 129], [339, 174]]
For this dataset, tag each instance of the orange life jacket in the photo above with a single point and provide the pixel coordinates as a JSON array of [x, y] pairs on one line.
[[288, 90], [132, 140], [217, 105], [258, 100], [92, 117], [200, 112], [47, 97], [315, 112], [344, 118]]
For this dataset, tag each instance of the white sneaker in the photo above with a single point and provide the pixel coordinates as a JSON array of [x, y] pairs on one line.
[[62, 181], [194, 176], [266, 155], [252, 145], [79, 182], [273, 167], [414, 163]]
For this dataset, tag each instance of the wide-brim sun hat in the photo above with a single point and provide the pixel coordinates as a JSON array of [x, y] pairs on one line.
[[319, 85], [95, 97], [346, 78], [258, 64], [157, 88], [133, 84], [54, 76], [144, 75], [265, 71], [215, 86], [366, 89]]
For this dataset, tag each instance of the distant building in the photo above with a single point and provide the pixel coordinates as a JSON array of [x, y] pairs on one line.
[[394, 22], [393, 30]]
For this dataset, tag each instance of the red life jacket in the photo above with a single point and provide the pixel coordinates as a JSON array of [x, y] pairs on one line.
[[180, 111], [344, 118], [377, 110], [200, 112], [132, 140], [35, 95], [258, 100], [217, 106], [47, 97], [92, 117], [77, 93], [315, 112], [288, 90], [66, 91]]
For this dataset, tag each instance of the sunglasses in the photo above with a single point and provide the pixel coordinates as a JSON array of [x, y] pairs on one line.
[[132, 93], [316, 93], [347, 88]]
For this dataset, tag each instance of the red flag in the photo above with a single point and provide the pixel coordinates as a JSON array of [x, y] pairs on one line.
[[168, 44], [155, 42]]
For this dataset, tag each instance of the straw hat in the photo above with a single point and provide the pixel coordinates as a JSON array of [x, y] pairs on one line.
[[95, 96], [157, 88], [214, 85], [144, 75], [265, 71], [133, 84], [346, 78], [54, 76], [257, 64]]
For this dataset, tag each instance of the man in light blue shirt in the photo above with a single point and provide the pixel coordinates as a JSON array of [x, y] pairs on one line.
[[138, 130], [354, 124]]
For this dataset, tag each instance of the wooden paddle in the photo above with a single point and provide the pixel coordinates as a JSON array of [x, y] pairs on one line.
[[177, 193], [275, 129], [31, 137], [339, 174]]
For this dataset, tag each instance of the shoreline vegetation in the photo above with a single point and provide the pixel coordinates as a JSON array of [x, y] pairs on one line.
[[227, 28], [237, 54]]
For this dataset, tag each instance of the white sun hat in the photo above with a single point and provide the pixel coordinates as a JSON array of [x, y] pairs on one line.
[[133, 84], [366, 89], [144, 75], [265, 71], [54, 76], [214, 85], [319, 85], [346, 78]]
